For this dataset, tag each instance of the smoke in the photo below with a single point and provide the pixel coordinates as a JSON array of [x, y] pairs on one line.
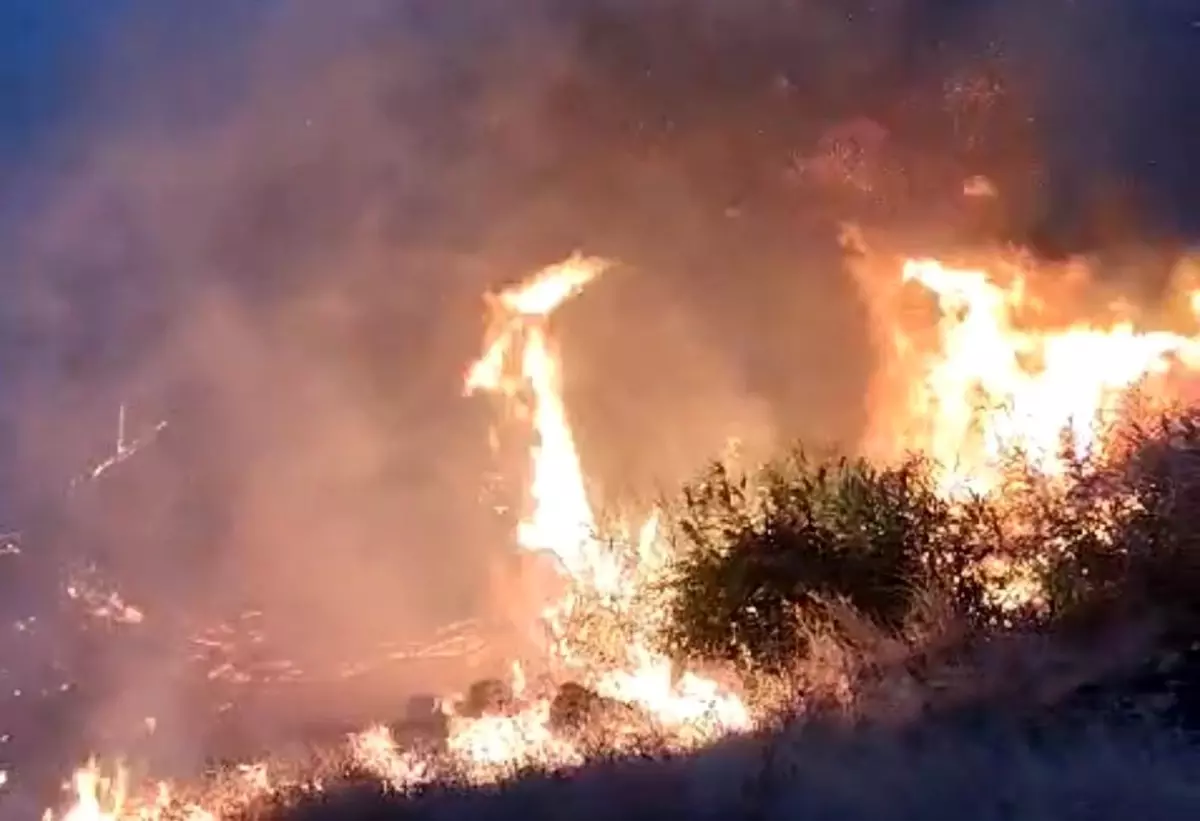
[[270, 226]]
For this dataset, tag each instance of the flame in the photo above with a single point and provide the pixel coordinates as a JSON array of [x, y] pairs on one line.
[[98, 798], [519, 364], [376, 751], [493, 746], [991, 378], [991, 387], [519, 359]]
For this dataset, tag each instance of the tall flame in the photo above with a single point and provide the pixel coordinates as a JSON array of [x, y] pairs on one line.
[[518, 363], [517, 359], [100, 798], [991, 381], [991, 387]]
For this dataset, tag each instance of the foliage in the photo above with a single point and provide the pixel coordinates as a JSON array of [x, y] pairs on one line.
[[760, 556], [1144, 554]]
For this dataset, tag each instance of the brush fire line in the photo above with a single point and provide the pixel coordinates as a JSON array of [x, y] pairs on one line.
[[991, 373]]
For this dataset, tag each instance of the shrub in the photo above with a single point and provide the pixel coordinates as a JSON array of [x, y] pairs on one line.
[[759, 557], [1143, 554]]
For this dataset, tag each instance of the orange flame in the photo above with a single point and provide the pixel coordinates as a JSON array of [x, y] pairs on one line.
[[992, 377], [519, 362], [519, 358], [98, 798], [988, 384], [990, 387]]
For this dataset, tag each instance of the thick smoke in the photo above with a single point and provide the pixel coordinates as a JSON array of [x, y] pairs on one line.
[[270, 226]]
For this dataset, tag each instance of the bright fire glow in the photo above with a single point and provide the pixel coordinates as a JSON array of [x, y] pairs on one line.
[[99, 798], [991, 387], [518, 364], [982, 383], [517, 360]]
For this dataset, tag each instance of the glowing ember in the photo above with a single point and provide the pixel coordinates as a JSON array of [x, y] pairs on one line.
[[105, 606]]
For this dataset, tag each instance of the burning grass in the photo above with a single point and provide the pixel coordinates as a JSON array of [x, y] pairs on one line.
[[826, 586], [905, 609], [884, 690]]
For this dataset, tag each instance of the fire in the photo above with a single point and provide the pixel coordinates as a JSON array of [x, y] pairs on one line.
[[518, 359], [98, 798], [492, 745], [520, 365], [990, 377], [377, 752], [994, 385], [988, 381]]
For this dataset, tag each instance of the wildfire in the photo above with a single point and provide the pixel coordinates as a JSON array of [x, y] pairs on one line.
[[107, 797], [985, 382], [99, 798], [520, 366], [995, 384]]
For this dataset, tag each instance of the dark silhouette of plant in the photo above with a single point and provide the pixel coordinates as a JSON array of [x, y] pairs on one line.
[[1142, 553], [759, 555]]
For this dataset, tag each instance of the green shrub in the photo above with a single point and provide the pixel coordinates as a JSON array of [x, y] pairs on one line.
[[758, 556]]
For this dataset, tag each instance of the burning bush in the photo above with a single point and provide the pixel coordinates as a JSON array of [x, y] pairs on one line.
[[765, 559], [1002, 523], [1140, 553], [762, 556]]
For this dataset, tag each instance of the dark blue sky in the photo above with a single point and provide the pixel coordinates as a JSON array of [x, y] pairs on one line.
[[70, 67], [45, 49]]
